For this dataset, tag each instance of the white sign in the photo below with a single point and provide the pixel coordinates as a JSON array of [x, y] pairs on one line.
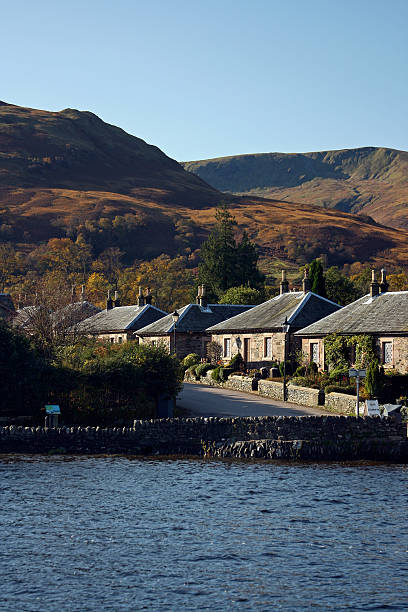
[[353, 373], [373, 408]]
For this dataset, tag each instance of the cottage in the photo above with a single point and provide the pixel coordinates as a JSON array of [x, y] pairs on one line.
[[259, 334], [381, 314], [184, 331], [60, 320], [117, 324]]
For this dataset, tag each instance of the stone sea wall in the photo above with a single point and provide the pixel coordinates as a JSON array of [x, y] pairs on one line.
[[320, 438]]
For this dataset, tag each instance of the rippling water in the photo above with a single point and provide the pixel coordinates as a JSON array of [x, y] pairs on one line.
[[120, 534]]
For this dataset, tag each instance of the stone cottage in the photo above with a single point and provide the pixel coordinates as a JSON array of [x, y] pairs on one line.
[[189, 335], [381, 314], [258, 334], [117, 324]]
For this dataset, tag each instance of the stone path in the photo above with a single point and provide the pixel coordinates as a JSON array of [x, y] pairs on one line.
[[203, 401]]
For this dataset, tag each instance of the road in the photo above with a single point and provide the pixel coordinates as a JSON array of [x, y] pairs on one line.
[[203, 401]]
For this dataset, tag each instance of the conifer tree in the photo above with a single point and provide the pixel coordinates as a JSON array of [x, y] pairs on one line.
[[317, 277], [224, 263]]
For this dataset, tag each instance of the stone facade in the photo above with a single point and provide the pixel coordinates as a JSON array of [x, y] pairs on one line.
[[398, 352], [258, 349], [117, 337], [185, 343]]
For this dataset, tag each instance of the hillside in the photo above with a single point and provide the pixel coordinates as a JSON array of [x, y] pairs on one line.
[[68, 174], [370, 180]]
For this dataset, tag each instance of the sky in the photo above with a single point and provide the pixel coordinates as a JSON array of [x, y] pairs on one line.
[[209, 78]]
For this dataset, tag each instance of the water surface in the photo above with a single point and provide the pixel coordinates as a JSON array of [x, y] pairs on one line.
[[92, 534]]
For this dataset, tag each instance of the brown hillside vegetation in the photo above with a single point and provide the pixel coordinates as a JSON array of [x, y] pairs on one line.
[[69, 174], [370, 180]]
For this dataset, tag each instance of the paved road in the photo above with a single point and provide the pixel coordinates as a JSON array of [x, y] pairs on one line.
[[203, 401]]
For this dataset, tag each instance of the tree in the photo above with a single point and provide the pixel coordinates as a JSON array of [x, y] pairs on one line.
[[339, 288], [21, 374], [317, 277], [242, 295], [373, 382], [224, 263]]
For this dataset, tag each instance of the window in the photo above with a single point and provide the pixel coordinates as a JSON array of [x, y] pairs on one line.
[[112, 340], [268, 347], [387, 352], [227, 347], [314, 352], [120, 339]]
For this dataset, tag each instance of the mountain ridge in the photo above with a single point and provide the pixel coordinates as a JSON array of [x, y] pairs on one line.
[[70, 174], [373, 180]]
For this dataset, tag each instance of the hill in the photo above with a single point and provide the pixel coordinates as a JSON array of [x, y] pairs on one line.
[[69, 173], [370, 180]]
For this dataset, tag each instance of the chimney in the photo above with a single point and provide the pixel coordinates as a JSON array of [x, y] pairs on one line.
[[284, 285], [82, 293], [72, 294], [306, 281], [202, 299], [374, 286], [383, 284], [148, 296], [140, 298], [198, 298], [116, 301], [109, 303]]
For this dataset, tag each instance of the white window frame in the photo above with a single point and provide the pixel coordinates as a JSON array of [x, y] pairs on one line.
[[266, 354], [227, 347]]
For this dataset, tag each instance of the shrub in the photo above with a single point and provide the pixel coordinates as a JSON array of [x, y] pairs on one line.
[[300, 371], [191, 360], [215, 374], [202, 368], [348, 390], [236, 362], [225, 372], [214, 352]]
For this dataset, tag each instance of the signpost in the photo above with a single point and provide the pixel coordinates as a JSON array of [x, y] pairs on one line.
[[52, 411], [357, 374]]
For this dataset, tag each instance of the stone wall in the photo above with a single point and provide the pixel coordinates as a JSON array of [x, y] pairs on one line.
[[205, 435], [304, 396], [342, 403], [271, 389]]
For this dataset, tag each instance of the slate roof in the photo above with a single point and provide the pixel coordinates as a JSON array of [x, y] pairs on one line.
[[193, 318], [299, 308], [121, 318], [386, 313], [72, 314]]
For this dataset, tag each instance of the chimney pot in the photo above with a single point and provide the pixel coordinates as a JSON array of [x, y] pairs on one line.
[[140, 297], [284, 285], [306, 281], [109, 302], [383, 284], [374, 286], [202, 299]]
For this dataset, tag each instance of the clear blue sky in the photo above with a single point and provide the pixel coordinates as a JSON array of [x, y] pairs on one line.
[[206, 78]]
